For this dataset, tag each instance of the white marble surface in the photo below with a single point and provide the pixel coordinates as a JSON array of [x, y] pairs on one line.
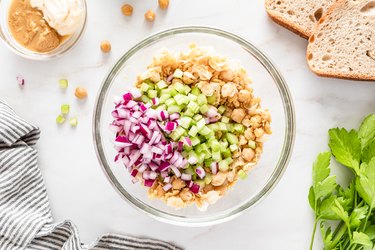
[[76, 185]]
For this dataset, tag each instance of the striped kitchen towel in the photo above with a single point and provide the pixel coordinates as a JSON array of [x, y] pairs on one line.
[[25, 215]]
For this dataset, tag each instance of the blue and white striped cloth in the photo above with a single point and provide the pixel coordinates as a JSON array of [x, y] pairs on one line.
[[25, 215]]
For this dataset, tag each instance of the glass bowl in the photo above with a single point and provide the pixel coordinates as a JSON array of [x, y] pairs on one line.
[[268, 85], [11, 43]]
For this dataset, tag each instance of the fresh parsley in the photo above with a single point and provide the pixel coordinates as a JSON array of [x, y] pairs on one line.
[[346, 216]]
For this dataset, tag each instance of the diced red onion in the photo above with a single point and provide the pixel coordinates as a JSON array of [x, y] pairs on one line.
[[20, 80], [212, 112], [175, 171], [155, 101], [127, 96], [174, 116], [192, 160], [136, 93], [187, 141], [153, 175], [167, 187], [195, 188], [149, 183], [164, 174], [170, 78], [185, 177], [164, 166], [180, 146], [200, 172], [134, 172], [163, 115], [167, 179], [214, 168]]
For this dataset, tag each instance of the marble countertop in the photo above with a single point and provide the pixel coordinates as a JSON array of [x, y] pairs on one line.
[[78, 189]]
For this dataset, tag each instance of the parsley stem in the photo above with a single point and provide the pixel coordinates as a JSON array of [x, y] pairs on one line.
[[338, 236], [313, 233], [367, 217]]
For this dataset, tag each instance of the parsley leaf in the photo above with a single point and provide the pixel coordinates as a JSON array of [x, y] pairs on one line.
[[346, 147], [365, 182], [362, 239], [367, 130], [327, 235], [357, 215], [368, 152], [340, 211], [325, 187]]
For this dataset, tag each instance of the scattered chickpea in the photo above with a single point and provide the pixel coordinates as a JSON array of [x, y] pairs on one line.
[[186, 195], [248, 154], [244, 96], [258, 132], [80, 93], [238, 115], [127, 10], [178, 184], [150, 16], [218, 179], [163, 4], [105, 46]]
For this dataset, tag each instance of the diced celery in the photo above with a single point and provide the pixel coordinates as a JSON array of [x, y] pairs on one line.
[[214, 126], [210, 135], [208, 178], [193, 131], [242, 174], [161, 107], [145, 99], [223, 146], [60, 119], [205, 131], [189, 113], [201, 157], [177, 133], [185, 122], [173, 91], [226, 153], [201, 124], [189, 170], [170, 102], [211, 99], [232, 139], [197, 117], [63, 83], [208, 155], [216, 155], [201, 99], [225, 119], [181, 99], [174, 109], [203, 109], [152, 93], [204, 147], [165, 92], [233, 148], [195, 141], [215, 145], [252, 144], [222, 126], [187, 89], [221, 109], [193, 106], [178, 73], [239, 128], [145, 87], [192, 97], [196, 91], [149, 82], [208, 162], [223, 166], [179, 87], [161, 84], [164, 97], [201, 183], [73, 122], [65, 108], [230, 127], [229, 160]]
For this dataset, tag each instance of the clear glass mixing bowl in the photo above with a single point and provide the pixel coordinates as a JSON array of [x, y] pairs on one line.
[[269, 85]]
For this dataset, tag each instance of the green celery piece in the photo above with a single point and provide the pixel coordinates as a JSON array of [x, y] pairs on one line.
[[152, 93], [225, 119], [178, 74], [205, 131], [215, 146], [145, 87], [170, 102], [179, 87], [201, 124], [216, 155], [173, 91], [197, 117], [346, 147], [196, 91], [195, 141], [221, 109], [187, 89], [222, 126], [223, 146], [208, 178], [232, 139], [223, 166], [367, 130], [164, 97], [227, 153], [189, 113], [229, 160], [65, 108], [145, 99], [203, 109], [181, 99], [193, 106], [230, 127], [63, 83], [211, 99], [201, 158], [252, 144], [174, 109], [233, 148], [192, 97], [202, 99], [242, 174], [165, 91], [73, 122], [185, 122], [208, 162], [193, 131], [161, 84], [201, 183], [214, 126], [161, 107], [365, 182], [239, 128], [60, 119]]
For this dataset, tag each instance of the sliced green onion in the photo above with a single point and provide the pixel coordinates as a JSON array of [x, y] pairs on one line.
[[73, 122], [63, 83], [60, 119], [65, 108]]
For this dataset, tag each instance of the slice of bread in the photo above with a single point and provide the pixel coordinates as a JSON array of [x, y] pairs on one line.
[[343, 43], [299, 16]]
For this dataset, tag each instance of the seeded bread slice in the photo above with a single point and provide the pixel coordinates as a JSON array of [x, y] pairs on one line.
[[343, 43], [299, 16]]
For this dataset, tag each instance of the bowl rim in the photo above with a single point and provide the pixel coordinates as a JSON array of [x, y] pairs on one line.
[[278, 171], [36, 56]]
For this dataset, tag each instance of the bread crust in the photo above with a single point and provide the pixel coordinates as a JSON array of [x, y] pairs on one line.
[[338, 75]]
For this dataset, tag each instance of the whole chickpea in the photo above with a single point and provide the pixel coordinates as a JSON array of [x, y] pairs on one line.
[[248, 154], [150, 16], [127, 10], [80, 93], [105, 46], [163, 4]]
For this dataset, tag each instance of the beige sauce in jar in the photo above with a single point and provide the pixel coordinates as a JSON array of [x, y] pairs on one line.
[[28, 28]]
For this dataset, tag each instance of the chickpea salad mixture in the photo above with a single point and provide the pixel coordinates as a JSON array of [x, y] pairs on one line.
[[190, 128]]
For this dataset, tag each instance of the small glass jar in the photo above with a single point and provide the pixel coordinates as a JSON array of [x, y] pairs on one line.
[[15, 46]]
